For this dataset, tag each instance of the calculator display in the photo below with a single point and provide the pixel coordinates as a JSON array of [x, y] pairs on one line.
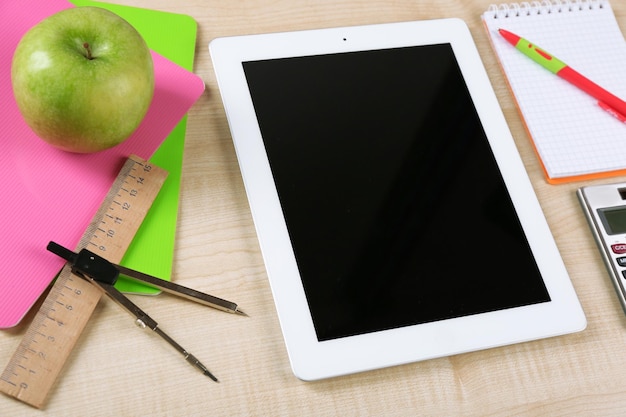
[[613, 219], [605, 208]]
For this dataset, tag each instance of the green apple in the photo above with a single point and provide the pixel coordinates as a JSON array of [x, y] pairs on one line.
[[83, 79]]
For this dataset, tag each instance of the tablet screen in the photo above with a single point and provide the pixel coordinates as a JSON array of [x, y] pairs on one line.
[[393, 200]]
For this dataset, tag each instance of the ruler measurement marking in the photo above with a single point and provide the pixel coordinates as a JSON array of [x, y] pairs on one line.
[[56, 327]]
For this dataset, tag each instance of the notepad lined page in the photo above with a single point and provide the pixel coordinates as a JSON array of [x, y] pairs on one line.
[[571, 133]]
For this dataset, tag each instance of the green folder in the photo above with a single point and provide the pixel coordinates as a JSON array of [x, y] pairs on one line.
[[152, 250]]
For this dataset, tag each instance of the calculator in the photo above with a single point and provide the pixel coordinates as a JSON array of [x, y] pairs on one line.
[[605, 209]]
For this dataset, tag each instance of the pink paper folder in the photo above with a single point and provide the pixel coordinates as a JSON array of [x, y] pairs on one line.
[[48, 194]]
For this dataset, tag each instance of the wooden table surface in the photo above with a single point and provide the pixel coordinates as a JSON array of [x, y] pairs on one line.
[[118, 370]]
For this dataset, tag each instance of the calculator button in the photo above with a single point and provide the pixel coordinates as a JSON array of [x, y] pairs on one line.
[[619, 248], [621, 261]]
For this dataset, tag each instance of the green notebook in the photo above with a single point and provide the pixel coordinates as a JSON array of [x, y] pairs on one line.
[[174, 37]]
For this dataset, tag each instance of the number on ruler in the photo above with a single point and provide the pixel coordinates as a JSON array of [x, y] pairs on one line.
[[48, 341]]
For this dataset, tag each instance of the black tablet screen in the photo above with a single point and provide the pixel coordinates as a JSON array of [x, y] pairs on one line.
[[393, 200]]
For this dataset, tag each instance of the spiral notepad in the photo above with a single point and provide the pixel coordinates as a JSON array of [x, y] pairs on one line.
[[574, 138]]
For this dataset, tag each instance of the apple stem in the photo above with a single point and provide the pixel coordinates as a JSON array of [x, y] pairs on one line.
[[88, 49]]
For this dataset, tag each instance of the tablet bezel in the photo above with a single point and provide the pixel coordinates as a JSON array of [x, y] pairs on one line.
[[311, 359]]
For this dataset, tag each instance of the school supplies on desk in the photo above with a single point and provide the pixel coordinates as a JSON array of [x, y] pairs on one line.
[[54, 193], [607, 101], [152, 249], [574, 137], [104, 274]]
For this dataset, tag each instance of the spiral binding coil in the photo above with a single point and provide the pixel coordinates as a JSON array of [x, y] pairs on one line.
[[503, 11]]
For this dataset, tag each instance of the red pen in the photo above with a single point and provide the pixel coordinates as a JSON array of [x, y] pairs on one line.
[[607, 101]]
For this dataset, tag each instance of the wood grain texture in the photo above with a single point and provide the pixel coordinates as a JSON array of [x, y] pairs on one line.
[[117, 369]]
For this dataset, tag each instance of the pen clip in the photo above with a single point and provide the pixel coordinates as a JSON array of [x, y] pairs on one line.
[[619, 116]]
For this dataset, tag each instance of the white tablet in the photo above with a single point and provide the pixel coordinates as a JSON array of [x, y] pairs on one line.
[[395, 217]]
